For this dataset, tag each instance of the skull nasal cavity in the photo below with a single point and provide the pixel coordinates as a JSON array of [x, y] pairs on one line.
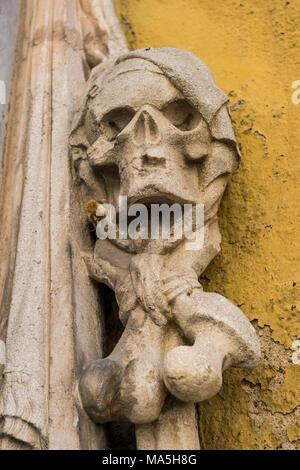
[[145, 129]]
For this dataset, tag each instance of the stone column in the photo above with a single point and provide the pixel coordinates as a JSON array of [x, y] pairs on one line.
[[50, 311]]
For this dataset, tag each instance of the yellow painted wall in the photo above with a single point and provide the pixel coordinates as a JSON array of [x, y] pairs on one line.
[[252, 48]]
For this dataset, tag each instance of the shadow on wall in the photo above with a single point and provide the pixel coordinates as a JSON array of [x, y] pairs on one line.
[[121, 436]]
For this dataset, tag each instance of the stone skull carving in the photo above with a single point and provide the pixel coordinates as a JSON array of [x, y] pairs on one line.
[[154, 127]]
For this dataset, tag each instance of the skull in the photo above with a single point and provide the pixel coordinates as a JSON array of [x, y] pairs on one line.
[[142, 125], [143, 139]]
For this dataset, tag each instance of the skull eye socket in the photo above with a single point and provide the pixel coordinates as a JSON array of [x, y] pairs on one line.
[[115, 121], [182, 115]]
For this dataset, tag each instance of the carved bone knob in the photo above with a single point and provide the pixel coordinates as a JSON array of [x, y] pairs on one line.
[[222, 337]]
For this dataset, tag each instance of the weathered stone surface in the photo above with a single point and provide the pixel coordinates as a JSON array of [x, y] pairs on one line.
[[166, 137], [50, 318]]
